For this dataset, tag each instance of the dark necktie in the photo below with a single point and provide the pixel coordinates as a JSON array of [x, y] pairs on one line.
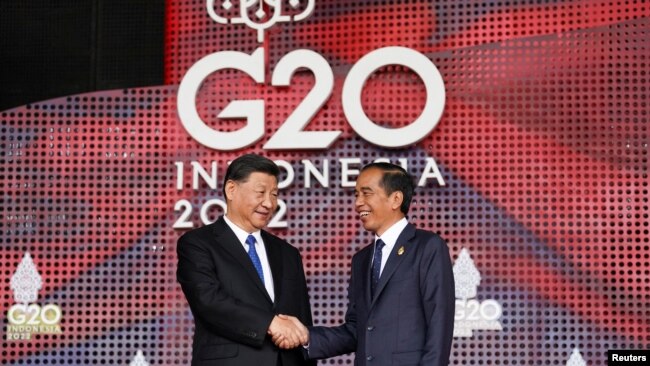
[[252, 253], [376, 265]]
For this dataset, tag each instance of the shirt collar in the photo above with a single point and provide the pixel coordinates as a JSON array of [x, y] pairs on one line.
[[241, 233], [389, 237]]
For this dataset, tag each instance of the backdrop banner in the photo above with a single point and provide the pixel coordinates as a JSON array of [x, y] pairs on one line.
[[525, 126]]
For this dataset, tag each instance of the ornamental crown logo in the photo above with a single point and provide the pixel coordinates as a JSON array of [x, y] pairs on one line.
[[139, 359], [26, 281], [26, 317], [576, 359], [466, 276], [259, 14], [472, 314]]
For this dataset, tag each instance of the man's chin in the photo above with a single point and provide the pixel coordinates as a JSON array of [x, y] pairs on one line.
[[259, 225], [368, 227]]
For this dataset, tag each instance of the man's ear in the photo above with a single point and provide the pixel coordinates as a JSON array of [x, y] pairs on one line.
[[396, 200], [231, 186]]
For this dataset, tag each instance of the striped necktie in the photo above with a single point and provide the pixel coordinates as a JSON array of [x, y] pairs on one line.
[[376, 265], [252, 253]]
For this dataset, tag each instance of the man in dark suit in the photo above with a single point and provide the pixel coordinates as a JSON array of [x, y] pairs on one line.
[[401, 292], [237, 277]]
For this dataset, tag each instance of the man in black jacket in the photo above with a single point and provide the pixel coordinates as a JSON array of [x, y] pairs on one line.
[[237, 277]]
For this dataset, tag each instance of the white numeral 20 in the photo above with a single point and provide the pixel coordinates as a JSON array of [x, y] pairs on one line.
[[185, 207]]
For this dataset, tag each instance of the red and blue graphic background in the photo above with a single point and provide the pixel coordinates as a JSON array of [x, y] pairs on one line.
[[543, 146]]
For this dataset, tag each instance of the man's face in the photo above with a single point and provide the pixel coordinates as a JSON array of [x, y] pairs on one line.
[[251, 204], [377, 210]]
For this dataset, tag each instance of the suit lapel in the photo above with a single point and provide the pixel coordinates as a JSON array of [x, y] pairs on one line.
[[227, 239], [394, 260], [274, 255], [366, 275]]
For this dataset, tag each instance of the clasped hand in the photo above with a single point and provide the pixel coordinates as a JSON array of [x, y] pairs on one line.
[[288, 332]]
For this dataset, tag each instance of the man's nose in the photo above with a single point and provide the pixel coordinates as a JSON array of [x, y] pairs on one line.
[[268, 201]]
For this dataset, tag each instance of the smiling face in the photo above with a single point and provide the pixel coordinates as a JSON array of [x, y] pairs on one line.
[[252, 203], [377, 210]]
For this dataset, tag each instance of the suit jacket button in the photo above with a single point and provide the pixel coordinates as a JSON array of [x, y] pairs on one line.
[[253, 334], [370, 328], [369, 358]]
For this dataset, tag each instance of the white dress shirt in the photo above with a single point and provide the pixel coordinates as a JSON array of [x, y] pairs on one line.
[[389, 237], [261, 252]]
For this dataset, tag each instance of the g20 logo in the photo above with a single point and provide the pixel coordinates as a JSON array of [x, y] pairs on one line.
[[34, 314], [291, 135]]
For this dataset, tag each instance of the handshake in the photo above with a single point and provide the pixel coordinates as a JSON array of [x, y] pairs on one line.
[[288, 332]]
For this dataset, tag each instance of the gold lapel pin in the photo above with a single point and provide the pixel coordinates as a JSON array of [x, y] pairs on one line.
[[400, 251]]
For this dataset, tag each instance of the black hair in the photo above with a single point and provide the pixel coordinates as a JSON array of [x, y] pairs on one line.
[[242, 167], [394, 179]]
